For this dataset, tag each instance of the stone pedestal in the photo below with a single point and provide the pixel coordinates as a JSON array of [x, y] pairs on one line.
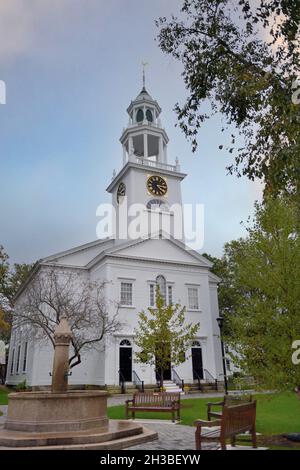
[[62, 338], [71, 420], [57, 412], [63, 419]]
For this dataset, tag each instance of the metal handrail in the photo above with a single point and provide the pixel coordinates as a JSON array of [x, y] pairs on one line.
[[175, 377], [210, 378], [138, 382], [122, 382], [158, 378], [198, 378]]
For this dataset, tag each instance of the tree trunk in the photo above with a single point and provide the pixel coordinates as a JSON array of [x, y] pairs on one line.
[[74, 361]]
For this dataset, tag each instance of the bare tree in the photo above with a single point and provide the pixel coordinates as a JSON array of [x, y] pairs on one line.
[[57, 291]]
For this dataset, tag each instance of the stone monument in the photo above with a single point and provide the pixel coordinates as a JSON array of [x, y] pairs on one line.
[[66, 419], [62, 338]]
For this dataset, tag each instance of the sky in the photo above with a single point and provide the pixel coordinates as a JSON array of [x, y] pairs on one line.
[[71, 68]]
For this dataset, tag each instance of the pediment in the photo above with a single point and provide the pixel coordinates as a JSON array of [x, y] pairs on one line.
[[160, 249]]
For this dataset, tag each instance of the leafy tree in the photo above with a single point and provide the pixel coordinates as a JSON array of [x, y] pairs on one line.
[[222, 267], [4, 325], [11, 279], [163, 336], [242, 59], [266, 273]]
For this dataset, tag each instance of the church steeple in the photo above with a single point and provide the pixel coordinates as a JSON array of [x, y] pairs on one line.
[[144, 139], [147, 179]]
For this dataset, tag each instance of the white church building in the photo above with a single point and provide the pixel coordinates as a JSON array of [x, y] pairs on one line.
[[133, 268]]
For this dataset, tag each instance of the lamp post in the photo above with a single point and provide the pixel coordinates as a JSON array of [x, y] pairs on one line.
[[220, 321]]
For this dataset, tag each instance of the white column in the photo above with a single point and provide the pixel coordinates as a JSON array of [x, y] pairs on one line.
[[160, 150], [145, 145], [130, 149], [165, 154], [124, 155]]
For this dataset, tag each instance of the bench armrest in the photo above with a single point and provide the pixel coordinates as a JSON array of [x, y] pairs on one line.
[[202, 422], [215, 403], [128, 401]]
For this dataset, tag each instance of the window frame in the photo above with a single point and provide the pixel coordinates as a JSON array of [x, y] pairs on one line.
[[128, 282], [152, 294], [140, 112], [192, 307], [18, 358], [12, 364], [170, 289], [25, 354]]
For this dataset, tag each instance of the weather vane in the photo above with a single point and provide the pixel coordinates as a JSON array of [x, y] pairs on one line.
[[144, 64]]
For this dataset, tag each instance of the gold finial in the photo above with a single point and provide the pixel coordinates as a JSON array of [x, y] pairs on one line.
[[144, 64]]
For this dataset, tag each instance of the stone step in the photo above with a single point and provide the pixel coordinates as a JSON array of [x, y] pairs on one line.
[[171, 387], [115, 444]]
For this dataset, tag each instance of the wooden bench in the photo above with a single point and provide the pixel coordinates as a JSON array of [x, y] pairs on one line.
[[234, 420], [229, 400], [162, 402]]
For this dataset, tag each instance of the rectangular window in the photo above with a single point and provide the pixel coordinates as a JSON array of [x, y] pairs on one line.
[[25, 357], [193, 298], [170, 295], [18, 359], [228, 364], [152, 295], [126, 293], [12, 361]]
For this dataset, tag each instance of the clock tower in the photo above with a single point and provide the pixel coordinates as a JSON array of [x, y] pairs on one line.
[[146, 192]]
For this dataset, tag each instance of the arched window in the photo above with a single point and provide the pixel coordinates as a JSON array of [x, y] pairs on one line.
[[155, 204], [162, 286], [196, 344], [149, 115], [125, 342], [140, 115]]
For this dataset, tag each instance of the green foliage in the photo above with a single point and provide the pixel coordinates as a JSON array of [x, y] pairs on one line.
[[227, 293], [241, 59], [163, 336], [21, 386], [266, 273], [3, 395], [10, 280], [4, 325]]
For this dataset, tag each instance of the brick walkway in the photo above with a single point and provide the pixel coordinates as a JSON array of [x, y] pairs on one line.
[[170, 437]]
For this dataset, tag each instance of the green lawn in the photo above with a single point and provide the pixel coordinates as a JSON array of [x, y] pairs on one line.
[[276, 413], [3, 396]]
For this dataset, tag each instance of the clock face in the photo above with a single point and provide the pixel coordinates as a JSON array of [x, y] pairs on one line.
[[157, 185], [121, 192]]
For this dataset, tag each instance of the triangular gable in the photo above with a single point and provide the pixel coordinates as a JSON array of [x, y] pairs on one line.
[[155, 249]]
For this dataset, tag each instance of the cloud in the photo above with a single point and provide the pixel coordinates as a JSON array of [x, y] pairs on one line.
[[16, 26], [26, 25]]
